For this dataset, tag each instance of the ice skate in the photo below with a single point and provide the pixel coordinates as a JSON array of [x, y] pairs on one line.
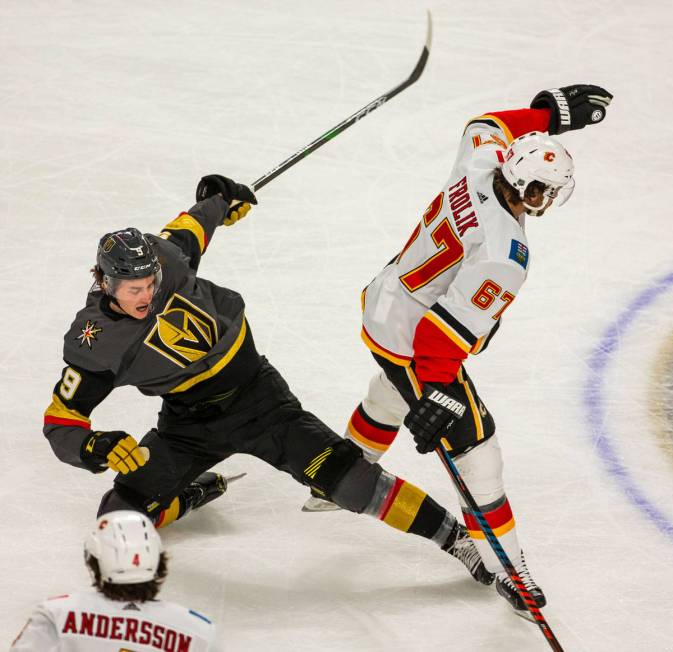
[[505, 587], [460, 545], [204, 489], [317, 504]]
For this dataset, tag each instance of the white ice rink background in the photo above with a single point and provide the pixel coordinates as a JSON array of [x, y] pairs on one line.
[[109, 115]]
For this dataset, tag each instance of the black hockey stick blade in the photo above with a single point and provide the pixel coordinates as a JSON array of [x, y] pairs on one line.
[[358, 115]]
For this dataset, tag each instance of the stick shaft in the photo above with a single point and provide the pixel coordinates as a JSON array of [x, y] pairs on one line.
[[495, 544], [358, 115]]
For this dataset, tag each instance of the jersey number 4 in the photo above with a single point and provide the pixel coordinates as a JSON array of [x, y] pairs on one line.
[[449, 245]]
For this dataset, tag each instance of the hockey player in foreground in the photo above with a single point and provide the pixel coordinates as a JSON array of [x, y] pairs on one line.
[[124, 556], [442, 297], [151, 322]]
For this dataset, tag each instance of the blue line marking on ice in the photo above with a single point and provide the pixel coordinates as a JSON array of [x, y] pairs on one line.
[[601, 437]]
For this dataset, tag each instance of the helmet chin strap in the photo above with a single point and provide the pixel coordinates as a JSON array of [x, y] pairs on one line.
[[113, 300]]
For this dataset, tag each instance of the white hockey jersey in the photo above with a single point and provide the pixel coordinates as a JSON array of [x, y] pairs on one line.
[[89, 622], [443, 295]]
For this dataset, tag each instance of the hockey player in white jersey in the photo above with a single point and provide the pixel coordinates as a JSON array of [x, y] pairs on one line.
[[128, 566], [443, 296]]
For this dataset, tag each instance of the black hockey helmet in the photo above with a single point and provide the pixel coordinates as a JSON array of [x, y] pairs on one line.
[[126, 255]]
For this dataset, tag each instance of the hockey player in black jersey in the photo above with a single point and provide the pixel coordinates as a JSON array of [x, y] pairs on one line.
[[151, 322]]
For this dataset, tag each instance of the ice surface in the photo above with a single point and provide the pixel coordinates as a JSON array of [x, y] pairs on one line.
[[110, 113]]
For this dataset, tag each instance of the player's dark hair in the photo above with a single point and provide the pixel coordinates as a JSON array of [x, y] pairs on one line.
[[97, 274], [510, 193], [503, 187], [140, 592]]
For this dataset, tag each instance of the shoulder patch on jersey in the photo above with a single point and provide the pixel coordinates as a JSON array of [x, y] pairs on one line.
[[518, 252], [198, 615], [89, 333], [482, 197]]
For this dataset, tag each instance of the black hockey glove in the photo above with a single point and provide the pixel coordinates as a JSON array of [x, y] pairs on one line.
[[113, 449], [238, 196], [433, 416], [573, 107]]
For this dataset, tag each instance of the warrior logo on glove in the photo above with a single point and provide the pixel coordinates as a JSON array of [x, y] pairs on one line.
[[434, 417], [573, 107], [449, 403]]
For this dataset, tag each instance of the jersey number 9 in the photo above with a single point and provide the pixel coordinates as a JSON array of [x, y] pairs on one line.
[[69, 384]]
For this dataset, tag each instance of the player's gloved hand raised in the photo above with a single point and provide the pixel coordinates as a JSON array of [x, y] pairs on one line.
[[238, 196], [433, 416], [573, 107], [114, 449]]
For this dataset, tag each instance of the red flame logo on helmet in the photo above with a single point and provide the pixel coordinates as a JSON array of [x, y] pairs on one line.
[[549, 156]]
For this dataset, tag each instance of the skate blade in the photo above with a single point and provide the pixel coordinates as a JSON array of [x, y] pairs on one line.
[[233, 478], [526, 615], [314, 504]]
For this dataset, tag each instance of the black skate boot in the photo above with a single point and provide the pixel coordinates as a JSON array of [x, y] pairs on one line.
[[505, 587], [460, 545], [204, 489]]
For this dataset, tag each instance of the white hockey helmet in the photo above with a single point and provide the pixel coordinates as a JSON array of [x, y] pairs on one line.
[[536, 156], [126, 547]]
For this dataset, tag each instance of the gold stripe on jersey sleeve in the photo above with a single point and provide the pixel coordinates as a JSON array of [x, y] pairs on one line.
[[384, 353], [58, 410], [185, 222], [217, 367], [413, 380], [478, 345], [448, 331], [498, 121]]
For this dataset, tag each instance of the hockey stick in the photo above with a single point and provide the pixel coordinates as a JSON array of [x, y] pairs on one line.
[[539, 619], [342, 126]]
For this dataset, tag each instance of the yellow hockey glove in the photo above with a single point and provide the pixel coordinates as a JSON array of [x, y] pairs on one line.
[[236, 213], [114, 449], [126, 456]]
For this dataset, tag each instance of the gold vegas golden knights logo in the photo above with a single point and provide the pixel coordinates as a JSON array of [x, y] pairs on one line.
[[183, 333]]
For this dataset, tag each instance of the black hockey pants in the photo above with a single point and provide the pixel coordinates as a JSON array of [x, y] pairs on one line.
[[263, 419]]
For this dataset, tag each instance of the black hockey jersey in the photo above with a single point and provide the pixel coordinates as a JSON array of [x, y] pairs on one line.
[[194, 344]]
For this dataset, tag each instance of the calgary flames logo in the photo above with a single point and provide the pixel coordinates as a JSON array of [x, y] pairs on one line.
[[183, 333], [549, 156]]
